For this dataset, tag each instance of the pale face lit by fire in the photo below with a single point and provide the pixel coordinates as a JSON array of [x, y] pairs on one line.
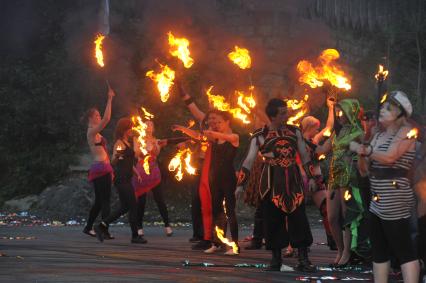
[[311, 131], [388, 113], [211, 121]]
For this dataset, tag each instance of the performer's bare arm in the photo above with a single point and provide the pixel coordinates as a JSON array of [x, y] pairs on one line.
[[105, 119], [234, 139]]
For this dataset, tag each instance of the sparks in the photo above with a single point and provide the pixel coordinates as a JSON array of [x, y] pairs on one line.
[[240, 57], [179, 47], [321, 157], [347, 196], [98, 50], [384, 97], [164, 81]]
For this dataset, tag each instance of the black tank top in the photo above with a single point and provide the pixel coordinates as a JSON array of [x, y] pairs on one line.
[[222, 171], [124, 167]]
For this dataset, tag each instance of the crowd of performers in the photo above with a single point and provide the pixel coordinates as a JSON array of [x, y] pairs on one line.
[[363, 187]]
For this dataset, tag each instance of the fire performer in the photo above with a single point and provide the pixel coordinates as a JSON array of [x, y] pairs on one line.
[[222, 181], [343, 203], [100, 173], [387, 161], [201, 197], [123, 159], [281, 186], [310, 129], [152, 181]]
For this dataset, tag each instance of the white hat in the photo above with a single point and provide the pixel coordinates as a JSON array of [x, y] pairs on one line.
[[401, 100]]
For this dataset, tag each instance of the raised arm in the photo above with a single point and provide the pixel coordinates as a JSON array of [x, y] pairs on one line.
[[330, 121], [107, 115], [189, 102]]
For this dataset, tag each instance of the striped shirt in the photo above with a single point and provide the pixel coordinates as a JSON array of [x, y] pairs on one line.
[[393, 198]]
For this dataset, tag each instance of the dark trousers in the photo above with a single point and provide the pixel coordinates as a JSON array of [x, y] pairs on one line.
[[277, 235], [258, 225], [102, 186], [197, 219], [157, 193], [128, 203], [219, 194]]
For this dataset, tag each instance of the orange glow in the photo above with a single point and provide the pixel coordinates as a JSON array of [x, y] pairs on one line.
[[182, 157], [347, 196], [164, 81], [220, 235], [413, 133], [321, 157], [119, 148], [179, 47], [218, 102], [328, 70], [381, 74], [191, 124], [327, 133], [98, 50], [295, 104], [240, 57], [384, 97]]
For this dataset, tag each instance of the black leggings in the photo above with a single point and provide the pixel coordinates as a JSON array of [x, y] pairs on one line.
[[102, 202], [219, 194], [128, 203], [197, 219], [161, 204], [391, 237]]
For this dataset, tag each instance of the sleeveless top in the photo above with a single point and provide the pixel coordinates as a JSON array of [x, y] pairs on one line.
[[124, 166], [392, 195], [222, 171]]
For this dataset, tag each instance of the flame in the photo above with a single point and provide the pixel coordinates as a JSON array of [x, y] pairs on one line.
[[147, 115], [176, 163], [384, 97], [220, 236], [413, 133], [246, 102], [119, 148], [327, 133], [179, 49], [191, 124], [240, 57], [98, 50], [347, 195], [321, 157], [219, 103], [326, 71], [295, 104], [340, 113], [164, 81], [146, 164], [381, 74]]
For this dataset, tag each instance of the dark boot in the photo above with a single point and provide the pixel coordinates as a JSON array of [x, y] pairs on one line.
[[101, 231], [276, 261], [304, 264]]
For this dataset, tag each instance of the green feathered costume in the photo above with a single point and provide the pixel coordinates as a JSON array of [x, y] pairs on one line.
[[343, 174]]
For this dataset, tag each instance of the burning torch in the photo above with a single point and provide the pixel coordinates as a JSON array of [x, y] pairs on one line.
[[381, 87]]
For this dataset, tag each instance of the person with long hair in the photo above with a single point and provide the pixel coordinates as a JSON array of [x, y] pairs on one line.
[[342, 181], [100, 173], [222, 179], [151, 181], [387, 161], [123, 159]]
